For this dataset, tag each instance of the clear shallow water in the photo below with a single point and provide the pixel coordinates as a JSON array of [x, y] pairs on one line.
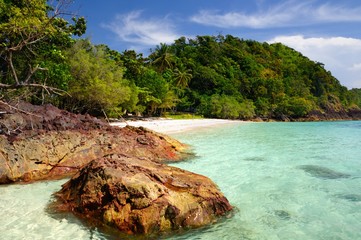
[[24, 214], [286, 181]]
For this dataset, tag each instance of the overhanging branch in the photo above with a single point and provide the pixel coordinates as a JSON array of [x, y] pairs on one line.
[[48, 89]]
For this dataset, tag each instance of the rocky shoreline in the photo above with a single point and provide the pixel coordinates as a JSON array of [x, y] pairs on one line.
[[328, 114], [46, 143], [120, 177]]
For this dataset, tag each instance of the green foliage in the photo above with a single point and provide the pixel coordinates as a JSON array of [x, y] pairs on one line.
[[97, 82], [223, 106], [299, 107], [224, 71], [215, 76], [134, 63], [181, 115], [162, 58], [355, 97], [33, 36], [182, 77]]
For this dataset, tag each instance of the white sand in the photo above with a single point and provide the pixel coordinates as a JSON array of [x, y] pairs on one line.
[[168, 126]]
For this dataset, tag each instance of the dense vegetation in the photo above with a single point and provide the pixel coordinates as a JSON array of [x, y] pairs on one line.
[[214, 76]]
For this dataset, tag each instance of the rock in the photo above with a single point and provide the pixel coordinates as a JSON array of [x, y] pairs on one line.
[[23, 116], [142, 197], [56, 154], [43, 142]]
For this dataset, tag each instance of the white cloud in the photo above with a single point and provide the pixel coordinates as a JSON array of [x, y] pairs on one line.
[[356, 67], [133, 29], [289, 13], [340, 55]]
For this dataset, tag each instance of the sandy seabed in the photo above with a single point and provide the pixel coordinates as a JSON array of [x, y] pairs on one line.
[[169, 126]]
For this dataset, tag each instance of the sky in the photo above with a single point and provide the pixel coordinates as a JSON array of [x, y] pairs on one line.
[[324, 31]]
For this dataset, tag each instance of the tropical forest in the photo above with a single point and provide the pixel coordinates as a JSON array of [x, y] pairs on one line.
[[44, 59]]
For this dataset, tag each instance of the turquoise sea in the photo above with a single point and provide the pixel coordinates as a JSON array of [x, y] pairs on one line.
[[285, 180]]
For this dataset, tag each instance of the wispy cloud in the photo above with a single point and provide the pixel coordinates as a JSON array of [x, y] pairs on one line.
[[289, 13], [137, 31], [340, 55]]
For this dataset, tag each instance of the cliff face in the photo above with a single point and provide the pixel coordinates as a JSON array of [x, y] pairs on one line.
[[142, 197], [42, 142]]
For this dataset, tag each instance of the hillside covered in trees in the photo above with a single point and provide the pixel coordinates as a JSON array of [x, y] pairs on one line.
[[213, 76]]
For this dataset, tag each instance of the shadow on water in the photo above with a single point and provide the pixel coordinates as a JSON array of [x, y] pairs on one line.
[[350, 197], [323, 172]]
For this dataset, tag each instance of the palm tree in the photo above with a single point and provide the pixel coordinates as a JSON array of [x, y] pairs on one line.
[[182, 77], [163, 58]]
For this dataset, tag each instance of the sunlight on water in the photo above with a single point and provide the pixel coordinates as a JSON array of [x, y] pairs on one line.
[[286, 181], [24, 214]]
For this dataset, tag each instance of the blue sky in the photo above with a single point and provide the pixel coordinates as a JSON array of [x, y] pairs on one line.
[[325, 31]]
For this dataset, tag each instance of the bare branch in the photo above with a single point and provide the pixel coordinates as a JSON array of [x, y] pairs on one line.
[[32, 71], [26, 42], [48, 89], [10, 60], [60, 7]]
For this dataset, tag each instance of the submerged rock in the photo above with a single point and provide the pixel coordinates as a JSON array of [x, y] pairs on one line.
[[142, 197], [255, 159], [282, 214], [350, 197], [323, 172]]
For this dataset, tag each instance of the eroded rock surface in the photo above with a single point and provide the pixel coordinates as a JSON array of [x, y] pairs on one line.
[[142, 197], [42, 142]]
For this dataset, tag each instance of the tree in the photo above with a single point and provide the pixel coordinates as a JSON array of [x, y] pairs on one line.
[[162, 58], [169, 101], [276, 80], [223, 106], [182, 77], [29, 31], [154, 90], [355, 97], [299, 107], [97, 84], [134, 64]]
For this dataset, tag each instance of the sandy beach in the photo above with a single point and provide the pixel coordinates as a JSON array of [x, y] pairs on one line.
[[169, 126]]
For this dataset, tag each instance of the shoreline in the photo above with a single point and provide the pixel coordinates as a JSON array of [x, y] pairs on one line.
[[172, 126]]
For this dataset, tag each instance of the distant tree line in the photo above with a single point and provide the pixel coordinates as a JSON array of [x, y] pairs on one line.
[[214, 76]]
